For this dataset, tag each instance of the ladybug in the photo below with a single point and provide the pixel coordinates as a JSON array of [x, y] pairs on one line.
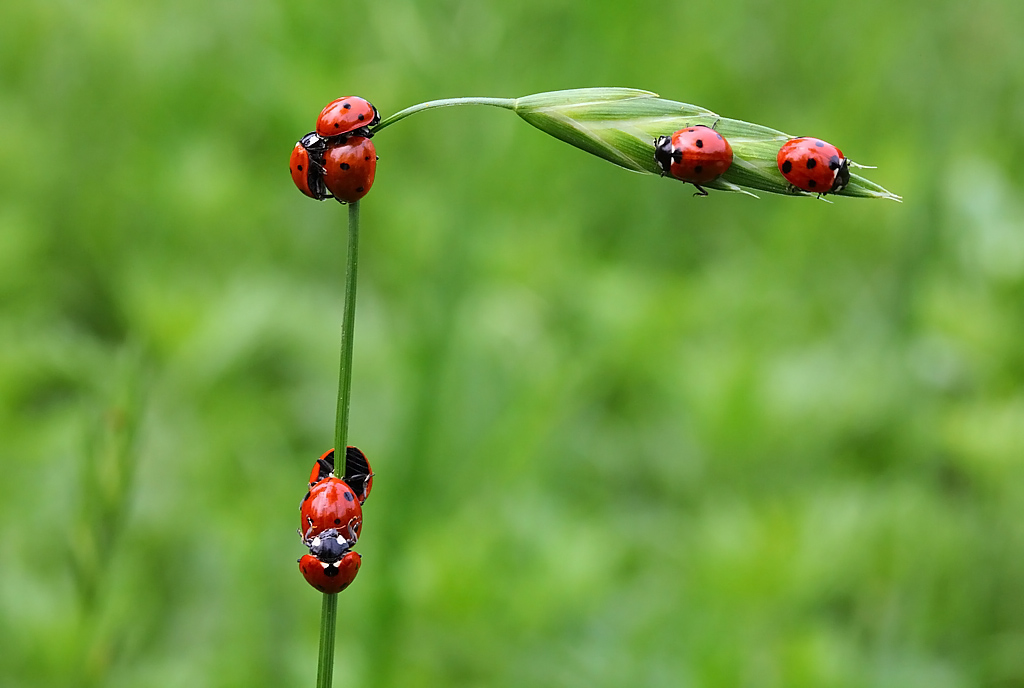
[[348, 115], [330, 504], [813, 165], [307, 166], [358, 475], [330, 577], [349, 168], [695, 154]]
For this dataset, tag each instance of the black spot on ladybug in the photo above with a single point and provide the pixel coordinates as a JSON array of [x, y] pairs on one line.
[[811, 183], [320, 588], [331, 571], [697, 169], [358, 190], [344, 165], [366, 158], [786, 167], [300, 168], [337, 125], [819, 144], [700, 144], [362, 117], [811, 163], [337, 521], [833, 162], [347, 106], [348, 495]]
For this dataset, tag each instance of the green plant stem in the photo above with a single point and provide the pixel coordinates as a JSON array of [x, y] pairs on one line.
[[507, 103], [328, 622], [348, 324], [329, 611]]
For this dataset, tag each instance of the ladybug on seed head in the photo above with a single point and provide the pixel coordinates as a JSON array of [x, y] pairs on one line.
[[697, 155], [810, 164]]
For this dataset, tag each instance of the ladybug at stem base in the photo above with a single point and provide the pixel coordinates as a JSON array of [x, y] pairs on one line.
[[330, 577], [349, 168]]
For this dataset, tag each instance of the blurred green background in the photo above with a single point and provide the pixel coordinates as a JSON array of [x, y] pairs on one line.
[[622, 436]]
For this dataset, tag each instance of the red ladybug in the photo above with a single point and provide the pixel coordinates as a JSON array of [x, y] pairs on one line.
[[813, 165], [330, 577], [349, 168], [348, 115], [330, 504], [695, 154], [358, 475], [307, 166]]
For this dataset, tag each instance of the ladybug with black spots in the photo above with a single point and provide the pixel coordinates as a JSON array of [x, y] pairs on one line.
[[697, 155], [358, 475], [810, 164], [330, 576], [344, 116], [330, 504], [307, 166], [349, 168]]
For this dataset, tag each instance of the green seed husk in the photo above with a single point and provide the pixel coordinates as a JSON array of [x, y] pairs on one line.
[[621, 125]]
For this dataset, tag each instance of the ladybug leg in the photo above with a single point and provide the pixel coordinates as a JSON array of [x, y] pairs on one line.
[[352, 538], [307, 536], [700, 190]]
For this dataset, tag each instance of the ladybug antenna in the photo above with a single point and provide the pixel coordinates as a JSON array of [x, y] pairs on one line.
[[715, 125]]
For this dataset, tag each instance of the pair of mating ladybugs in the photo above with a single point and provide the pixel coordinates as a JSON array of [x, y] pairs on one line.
[[700, 155], [337, 160], [331, 520]]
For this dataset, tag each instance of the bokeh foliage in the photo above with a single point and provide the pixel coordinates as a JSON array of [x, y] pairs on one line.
[[623, 436]]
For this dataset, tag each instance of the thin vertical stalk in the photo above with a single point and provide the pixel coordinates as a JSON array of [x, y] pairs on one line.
[[328, 622], [329, 611], [348, 324]]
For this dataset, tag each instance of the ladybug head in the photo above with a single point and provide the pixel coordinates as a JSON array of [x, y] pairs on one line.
[[329, 546], [842, 175], [314, 143], [663, 153]]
